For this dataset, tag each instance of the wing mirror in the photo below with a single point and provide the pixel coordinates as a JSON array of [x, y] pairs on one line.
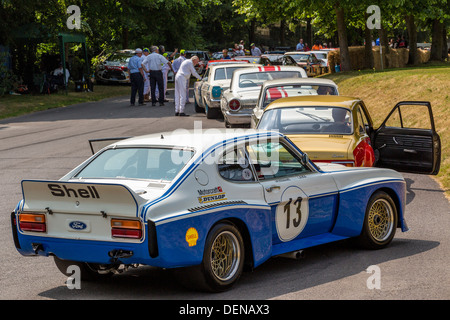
[[305, 159]]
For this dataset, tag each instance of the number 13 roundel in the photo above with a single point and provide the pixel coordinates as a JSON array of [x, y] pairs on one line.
[[291, 214]]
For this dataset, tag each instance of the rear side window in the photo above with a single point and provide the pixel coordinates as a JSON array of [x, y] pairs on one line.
[[235, 166]]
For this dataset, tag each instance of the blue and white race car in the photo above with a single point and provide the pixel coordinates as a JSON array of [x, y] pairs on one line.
[[211, 201]]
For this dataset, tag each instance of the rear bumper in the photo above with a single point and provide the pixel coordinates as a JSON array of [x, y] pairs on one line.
[[237, 118], [146, 252]]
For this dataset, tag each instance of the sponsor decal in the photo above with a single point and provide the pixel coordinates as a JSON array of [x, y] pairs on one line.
[[192, 237], [205, 192], [63, 191], [211, 195]]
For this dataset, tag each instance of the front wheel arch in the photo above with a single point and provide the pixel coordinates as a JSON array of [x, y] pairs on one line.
[[380, 221]]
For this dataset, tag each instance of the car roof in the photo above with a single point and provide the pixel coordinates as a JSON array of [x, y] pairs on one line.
[[270, 68], [285, 81], [191, 138], [297, 52], [310, 100], [228, 65]]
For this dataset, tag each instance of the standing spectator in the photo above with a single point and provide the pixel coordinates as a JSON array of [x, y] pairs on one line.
[[238, 51], [225, 54], [317, 46], [403, 43], [255, 51], [137, 77], [397, 43], [165, 70], [391, 43], [153, 64], [241, 46], [181, 79], [176, 66], [146, 52], [307, 48], [300, 46]]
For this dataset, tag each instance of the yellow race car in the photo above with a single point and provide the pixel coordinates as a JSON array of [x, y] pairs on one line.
[[340, 130]]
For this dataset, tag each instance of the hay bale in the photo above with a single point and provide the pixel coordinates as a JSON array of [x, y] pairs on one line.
[[424, 55], [377, 59], [333, 59], [357, 57]]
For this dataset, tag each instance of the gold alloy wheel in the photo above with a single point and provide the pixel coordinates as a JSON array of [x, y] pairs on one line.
[[225, 256], [381, 220]]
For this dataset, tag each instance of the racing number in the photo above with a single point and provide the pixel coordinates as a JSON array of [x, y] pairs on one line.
[[298, 211], [291, 214]]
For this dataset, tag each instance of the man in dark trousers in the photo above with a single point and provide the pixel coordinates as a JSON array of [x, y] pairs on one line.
[[153, 64], [137, 77]]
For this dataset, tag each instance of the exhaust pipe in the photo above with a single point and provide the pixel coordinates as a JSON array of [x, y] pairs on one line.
[[296, 255]]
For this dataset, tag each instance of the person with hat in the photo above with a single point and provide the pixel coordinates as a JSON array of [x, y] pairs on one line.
[[146, 52], [255, 50], [137, 77], [187, 68], [153, 64]]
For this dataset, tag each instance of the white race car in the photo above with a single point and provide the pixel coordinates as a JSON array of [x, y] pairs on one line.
[[272, 90], [239, 100], [212, 202], [208, 91]]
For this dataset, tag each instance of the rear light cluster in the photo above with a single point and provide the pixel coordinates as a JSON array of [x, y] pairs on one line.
[[234, 105], [34, 222], [129, 229]]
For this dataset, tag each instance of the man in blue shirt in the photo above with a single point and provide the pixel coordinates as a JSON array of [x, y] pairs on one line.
[[300, 46], [137, 77], [225, 54], [153, 64]]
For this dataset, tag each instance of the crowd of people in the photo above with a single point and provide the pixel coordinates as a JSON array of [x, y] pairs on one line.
[[301, 46], [149, 70], [148, 76]]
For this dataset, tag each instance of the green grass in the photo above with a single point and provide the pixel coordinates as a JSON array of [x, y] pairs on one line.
[[381, 90], [17, 105]]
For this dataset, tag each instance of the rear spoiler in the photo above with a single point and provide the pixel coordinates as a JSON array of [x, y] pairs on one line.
[[101, 143]]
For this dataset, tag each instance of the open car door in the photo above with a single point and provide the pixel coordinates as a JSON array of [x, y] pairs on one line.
[[407, 140]]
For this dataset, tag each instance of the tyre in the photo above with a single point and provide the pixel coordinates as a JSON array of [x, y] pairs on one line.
[[223, 261], [212, 113], [380, 222], [88, 271], [197, 108]]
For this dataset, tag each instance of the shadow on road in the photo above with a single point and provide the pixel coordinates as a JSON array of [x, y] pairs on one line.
[[277, 276]]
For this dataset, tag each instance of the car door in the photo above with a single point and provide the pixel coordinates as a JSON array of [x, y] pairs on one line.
[[203, 88], [303, 200], [407, 140]]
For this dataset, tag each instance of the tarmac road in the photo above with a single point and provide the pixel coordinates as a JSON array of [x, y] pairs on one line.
[[48, 144]]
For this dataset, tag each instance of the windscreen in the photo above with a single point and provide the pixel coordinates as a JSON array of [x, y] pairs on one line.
[[271, 94], [308, 120], [255, 79], [136, 163], [300, 57]]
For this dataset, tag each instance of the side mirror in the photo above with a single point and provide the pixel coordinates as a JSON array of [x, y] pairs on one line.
[[305, 159]]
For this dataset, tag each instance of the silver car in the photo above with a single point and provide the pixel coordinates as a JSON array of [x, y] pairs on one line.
[[208, 91], [238, 101], [282, 88]]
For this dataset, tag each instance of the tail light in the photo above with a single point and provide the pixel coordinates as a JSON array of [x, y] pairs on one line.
[[34, 222], [234, 105], [129, 229], [216, 92]]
